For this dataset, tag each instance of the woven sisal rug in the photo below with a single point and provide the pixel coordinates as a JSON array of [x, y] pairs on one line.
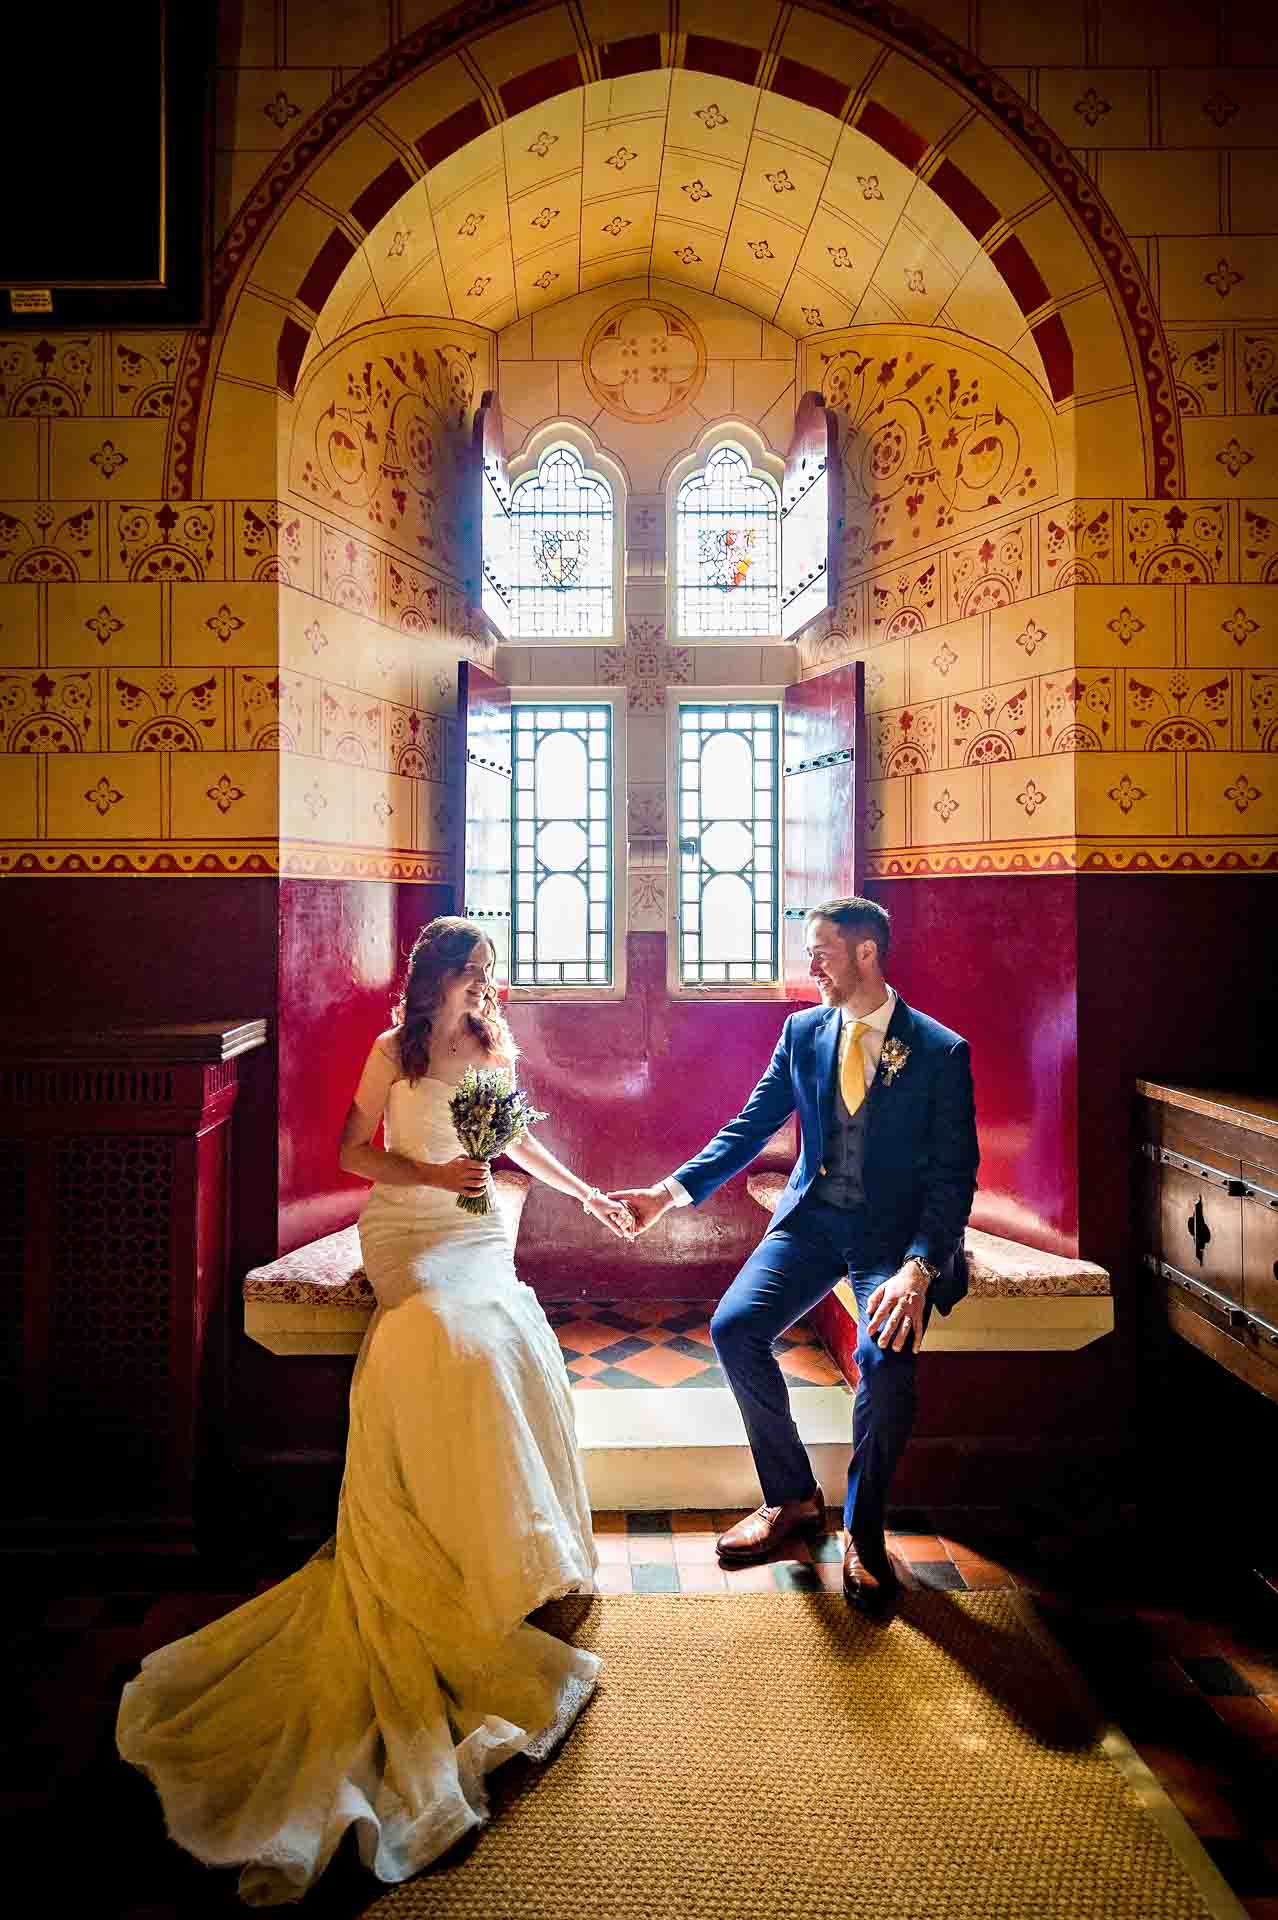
[[775, 1757]]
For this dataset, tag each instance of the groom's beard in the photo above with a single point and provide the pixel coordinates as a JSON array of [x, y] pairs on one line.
[[833, 996]]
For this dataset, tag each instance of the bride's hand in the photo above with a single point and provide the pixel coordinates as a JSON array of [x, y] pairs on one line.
[[462, 1175], [612, 1214]]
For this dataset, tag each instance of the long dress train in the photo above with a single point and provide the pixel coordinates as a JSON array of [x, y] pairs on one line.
[[378, 1685]]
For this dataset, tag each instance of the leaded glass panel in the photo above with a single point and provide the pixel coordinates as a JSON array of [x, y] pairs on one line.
[[726, 543], [728, 844], [559, 551], [562, 845]]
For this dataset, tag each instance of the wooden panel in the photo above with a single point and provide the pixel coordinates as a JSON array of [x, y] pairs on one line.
[[1202, 1231], [811, 517], [823, 760], [1212, 1222], [1260, 1258], [1248, 1362], [1149, 1188], [1208, 1141], [114, 1266], [1251, 1116], [491, 510], [484, 806]]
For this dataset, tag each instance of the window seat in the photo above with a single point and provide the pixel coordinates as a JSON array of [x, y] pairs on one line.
[[1018, 1300], [317, 1299]]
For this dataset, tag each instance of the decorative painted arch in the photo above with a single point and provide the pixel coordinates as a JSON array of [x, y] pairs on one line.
[[922, 99]]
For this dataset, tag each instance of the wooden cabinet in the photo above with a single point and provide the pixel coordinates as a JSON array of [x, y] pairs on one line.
[[1209, 1226], [115, 1174]]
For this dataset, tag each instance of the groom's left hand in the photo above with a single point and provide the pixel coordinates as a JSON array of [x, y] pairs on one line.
[[613, 1214], [896, 1309]]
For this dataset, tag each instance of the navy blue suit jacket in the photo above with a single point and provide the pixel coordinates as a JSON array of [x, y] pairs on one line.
[[921, 1153]]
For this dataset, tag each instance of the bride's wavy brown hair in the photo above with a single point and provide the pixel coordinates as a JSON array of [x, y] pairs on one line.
[[439, 953]]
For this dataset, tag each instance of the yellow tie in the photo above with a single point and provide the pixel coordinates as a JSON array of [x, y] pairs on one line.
[[852, 1068]]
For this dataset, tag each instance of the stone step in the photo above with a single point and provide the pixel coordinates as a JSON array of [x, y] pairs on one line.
[[678, 1448]]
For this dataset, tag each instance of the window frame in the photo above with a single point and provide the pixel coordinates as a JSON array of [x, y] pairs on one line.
[[599, 465], [714, 696], [764, 465], [538, 695]]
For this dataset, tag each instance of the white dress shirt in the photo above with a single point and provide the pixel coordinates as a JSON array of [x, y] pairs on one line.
[[874, 1028]]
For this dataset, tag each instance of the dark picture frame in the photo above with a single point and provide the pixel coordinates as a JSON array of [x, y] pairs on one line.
[[112, 228]]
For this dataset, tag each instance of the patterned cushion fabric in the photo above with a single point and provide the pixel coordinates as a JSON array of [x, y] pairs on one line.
[[325, 1273], [996, 1268]]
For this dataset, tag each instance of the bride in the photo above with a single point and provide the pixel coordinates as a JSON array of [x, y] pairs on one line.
[[377, 1686]]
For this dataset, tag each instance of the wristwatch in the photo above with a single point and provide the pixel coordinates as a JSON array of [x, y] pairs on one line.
[[925, 1267]]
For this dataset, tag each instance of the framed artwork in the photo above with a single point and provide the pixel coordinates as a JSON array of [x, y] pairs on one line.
[[107, 218]]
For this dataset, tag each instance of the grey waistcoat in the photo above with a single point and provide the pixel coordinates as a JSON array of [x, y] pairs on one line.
[[842, 1184]]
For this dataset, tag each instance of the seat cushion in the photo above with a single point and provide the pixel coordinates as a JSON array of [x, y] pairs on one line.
[[997, 1269], [324, 1273]]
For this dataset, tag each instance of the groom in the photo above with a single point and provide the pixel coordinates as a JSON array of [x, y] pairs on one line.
[[881, 1191]]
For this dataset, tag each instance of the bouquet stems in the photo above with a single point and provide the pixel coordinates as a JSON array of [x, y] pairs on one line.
[[477, 1202]]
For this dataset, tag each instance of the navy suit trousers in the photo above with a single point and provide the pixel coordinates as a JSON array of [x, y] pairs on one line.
[[793, 1267]]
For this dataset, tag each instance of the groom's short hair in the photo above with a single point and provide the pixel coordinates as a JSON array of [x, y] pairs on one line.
[[858, 919]]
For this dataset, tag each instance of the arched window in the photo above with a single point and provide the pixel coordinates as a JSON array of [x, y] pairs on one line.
[[725, 549], [549, 562]]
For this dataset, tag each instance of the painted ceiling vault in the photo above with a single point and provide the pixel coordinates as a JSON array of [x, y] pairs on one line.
[[694, 178]]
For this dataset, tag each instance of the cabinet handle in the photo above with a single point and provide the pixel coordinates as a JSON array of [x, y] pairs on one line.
[[1199, 1231]]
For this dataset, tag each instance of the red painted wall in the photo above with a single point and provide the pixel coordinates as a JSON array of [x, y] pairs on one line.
[[1177, 981], [632, 1088], [158, 950], [342, 948], [635, 1087], [997, 959], [1068, 988]]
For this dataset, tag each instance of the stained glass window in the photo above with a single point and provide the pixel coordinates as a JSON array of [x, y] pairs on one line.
[[728, 843], [726, 550], [556, 551], [562, 831]]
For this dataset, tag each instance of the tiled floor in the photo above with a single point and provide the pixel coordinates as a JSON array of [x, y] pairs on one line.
[[1190, 1675], [666, 1343]]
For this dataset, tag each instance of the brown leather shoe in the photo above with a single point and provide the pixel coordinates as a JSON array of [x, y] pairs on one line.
[[763, 1532], [869, 1582]]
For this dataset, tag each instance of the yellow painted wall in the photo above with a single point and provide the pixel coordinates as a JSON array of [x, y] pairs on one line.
[[255, 675]]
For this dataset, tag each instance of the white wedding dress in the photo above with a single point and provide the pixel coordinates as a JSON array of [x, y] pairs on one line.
[[377, 1686]]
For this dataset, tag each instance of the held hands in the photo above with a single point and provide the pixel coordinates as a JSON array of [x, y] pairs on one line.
[[611, 1213], [462, 1175], [896, 1309], [646, 1204]]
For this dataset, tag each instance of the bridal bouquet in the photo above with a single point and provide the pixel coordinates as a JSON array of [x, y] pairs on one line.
[[488, 1111]]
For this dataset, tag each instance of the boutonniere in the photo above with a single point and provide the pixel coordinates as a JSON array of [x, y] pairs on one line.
[[893, 1057]]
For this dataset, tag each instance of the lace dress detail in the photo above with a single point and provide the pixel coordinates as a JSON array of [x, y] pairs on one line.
[[379, 1685]]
